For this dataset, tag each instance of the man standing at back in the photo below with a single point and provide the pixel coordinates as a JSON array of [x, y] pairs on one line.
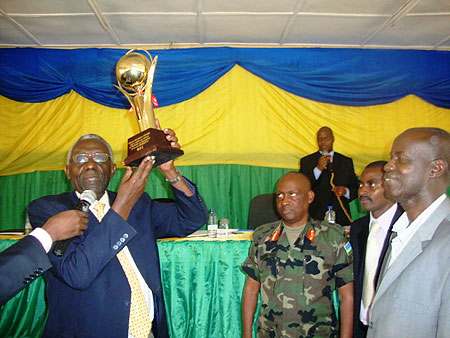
[[412, 298], [368, 236], [332, 178]]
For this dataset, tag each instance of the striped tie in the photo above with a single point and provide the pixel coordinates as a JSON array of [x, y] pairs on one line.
[[139, 324]]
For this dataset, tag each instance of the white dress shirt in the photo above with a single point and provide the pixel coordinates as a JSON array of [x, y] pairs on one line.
[[43, 237], [406, 231], [384, 221]]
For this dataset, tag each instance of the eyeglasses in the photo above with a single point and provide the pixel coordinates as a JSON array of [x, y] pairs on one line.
[[96, 157]]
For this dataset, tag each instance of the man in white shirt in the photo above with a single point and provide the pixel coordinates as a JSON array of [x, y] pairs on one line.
[[27, 259], [412, 298], [384, 212]]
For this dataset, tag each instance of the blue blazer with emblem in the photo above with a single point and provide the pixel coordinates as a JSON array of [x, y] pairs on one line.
[[87, 290]]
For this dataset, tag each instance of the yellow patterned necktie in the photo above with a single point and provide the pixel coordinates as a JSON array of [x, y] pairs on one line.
[[139, 324], [99, 208]]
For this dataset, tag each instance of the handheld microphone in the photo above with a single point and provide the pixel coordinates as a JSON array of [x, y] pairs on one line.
[[87, 197], [329, 163]]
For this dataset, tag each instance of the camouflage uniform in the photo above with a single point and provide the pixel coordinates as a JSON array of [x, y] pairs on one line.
[[297, 283]]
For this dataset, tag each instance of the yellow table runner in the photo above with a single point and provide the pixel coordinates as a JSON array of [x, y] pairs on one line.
[[202, 235]]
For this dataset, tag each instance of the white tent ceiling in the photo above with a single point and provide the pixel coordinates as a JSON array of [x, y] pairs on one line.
[[418, 24]]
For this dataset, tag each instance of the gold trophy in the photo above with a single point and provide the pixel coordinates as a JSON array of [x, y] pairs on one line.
[[134, 73]]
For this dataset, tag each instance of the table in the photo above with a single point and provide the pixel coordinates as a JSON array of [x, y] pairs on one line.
[[202, 284]]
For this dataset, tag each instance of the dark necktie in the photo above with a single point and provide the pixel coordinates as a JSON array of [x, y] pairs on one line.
[[386, 260]]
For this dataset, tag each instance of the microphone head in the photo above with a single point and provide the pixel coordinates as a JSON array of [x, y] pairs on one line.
[[88, 196]]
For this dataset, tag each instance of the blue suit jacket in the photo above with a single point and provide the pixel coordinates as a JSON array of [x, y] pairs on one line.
[[344, 174], [359, 232], [88, 292], [21, 264]]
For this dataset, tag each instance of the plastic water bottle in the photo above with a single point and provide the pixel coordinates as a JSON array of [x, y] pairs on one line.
[[222, 231], [28, 227], [330, 215], [212, 224]]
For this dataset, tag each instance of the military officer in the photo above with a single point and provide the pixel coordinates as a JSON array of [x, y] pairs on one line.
[[296, 264]]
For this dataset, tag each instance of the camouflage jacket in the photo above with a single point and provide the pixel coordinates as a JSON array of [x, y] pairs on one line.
[[297, 283]]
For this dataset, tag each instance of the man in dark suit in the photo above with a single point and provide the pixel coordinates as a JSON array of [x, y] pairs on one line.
[[332, 178], [89, 289], [384, 212], [27, 259]]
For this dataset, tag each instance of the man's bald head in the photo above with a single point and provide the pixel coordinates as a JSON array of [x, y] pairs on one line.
[[300, 179], [436, 143], [417, 173], [294, 195]]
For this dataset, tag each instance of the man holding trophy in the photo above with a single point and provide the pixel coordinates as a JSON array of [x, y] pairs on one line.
[[107, 282]]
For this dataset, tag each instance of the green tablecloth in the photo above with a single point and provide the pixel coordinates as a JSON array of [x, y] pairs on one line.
[[202, 284]]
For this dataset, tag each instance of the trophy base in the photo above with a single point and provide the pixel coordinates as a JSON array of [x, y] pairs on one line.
[[150, 142]]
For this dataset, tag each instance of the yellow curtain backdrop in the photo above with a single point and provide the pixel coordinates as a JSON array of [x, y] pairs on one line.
[[241, 119]]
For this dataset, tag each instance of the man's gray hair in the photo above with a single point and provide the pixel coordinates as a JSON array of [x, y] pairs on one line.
[[90, 137]]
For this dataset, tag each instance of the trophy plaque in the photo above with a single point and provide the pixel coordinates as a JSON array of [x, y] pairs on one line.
[[134, 73]]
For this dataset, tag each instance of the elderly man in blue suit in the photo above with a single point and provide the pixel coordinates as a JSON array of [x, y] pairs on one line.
[[91, 290], [412, 298]]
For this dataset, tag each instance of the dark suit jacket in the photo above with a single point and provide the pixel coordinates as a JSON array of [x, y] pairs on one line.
[[344, 174], [359, 232], [87, 290], [21, 264]]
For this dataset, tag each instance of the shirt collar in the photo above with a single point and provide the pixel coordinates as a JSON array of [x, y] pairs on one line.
[[329, 153], [104, 199], [403, 221], [385, 219]]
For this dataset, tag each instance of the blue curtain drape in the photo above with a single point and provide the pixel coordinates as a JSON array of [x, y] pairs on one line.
[[355, 77]]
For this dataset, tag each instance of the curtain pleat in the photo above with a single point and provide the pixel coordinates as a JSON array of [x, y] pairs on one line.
[[354, 77], [241, 119]]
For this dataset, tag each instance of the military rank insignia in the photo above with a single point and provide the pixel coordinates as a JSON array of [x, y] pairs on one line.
[[275, 235], [311, 235], [348, 249]]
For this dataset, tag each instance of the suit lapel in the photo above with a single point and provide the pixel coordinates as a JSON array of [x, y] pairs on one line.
[[74, 198], [336, 159], [414, 247], [362, 244]]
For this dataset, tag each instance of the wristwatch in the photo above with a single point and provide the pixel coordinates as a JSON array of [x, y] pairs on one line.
[[176, 179]]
